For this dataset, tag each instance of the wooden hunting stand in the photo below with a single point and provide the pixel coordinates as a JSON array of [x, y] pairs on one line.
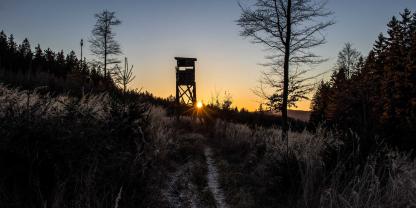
[[185, 81]]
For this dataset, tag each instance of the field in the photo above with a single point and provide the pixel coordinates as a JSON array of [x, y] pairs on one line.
[[155, 160]]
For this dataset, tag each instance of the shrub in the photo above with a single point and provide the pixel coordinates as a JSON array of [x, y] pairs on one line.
[[71, 152]]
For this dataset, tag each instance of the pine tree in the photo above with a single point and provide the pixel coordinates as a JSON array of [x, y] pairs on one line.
[[71, 62], [411, 76], [405, 25], [25, 55], [60, 64], [393, 86], [320, 102], [49, 61], [12, 45], [3, 49], [11, 53], [38, 60]]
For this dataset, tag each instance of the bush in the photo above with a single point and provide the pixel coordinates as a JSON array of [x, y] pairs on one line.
[[71, 152]]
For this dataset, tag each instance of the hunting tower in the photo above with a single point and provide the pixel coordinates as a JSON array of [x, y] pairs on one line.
[[185, 81]]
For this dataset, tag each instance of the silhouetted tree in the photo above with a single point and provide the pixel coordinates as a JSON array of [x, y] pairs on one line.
[[71, 62], [3, 49], [49, 61], [348, 59], [320, 102], [60, 65], [124, 76], [38, 60], [288, 28], [25, 54], [12, 49], [103, 44], [300, 86], [227, 102]]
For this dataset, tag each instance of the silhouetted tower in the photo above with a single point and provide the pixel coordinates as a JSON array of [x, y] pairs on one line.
[[185, 81]]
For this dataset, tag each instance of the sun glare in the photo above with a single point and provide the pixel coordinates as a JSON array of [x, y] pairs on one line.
[[199, 105]]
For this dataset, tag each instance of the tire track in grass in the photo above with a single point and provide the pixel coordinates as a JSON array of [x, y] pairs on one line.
[[213, 184]]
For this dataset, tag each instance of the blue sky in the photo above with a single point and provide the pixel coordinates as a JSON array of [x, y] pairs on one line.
[[153, 32]]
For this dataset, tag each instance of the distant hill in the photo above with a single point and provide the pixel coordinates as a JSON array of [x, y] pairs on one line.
[[298, 114]]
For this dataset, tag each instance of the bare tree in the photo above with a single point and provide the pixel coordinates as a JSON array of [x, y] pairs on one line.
[[348, 59], [103, 45], [124, 76], [271, 88], [288, 29], [227, 101]]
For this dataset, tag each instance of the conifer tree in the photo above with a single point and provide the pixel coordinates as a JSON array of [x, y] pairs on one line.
[[12, 45], [60, 64], [49, 60], [38, 60], [3, 49], [11, 53], [320, 102], [25, 54], [71, 62]]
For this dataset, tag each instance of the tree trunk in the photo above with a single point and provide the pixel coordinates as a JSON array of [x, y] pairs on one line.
[[105, 46], [285, 126]]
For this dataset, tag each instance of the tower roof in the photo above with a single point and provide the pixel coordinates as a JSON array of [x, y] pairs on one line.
[[185, 59]]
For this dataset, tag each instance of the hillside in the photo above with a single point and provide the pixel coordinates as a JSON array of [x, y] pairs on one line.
[[64, 149]]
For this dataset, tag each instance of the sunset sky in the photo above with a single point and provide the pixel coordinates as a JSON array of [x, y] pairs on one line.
[[153, 32]]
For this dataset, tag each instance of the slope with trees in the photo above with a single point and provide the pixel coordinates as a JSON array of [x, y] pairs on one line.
[[379, 97]]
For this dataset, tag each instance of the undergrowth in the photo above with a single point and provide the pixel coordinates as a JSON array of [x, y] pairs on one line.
[[323, 169]]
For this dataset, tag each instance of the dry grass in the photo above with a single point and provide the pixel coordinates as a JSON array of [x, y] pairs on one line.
[[71, 152], [255, 163]]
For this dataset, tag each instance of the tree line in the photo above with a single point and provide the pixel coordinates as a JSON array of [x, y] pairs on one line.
[[18, 60], [374, 96], [21, 66]]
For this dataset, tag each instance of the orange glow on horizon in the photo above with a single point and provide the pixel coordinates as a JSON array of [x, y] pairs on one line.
[[199, 105], [211, 79]]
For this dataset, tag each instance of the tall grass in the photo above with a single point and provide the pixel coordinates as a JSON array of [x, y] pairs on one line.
[[62, 151], [323, 169]]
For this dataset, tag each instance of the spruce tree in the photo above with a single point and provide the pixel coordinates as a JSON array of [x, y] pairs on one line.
[[319, 104], [38, 60], [49, 61], [71, 62], [25, 55], [3, 49], [60, 64]]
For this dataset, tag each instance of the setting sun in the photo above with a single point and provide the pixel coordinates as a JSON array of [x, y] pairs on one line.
[[199, 105]]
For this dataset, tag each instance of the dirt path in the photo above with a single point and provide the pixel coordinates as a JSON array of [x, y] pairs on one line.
[[180, 192], [213, 182]]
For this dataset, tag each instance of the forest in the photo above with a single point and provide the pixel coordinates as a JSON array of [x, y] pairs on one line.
[[374, 96], [75, 133]]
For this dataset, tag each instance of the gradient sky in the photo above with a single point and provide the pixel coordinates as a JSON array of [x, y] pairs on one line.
[[153, 32]]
